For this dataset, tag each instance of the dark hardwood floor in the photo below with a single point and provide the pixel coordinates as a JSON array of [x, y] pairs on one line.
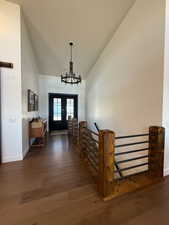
[[52, 187]]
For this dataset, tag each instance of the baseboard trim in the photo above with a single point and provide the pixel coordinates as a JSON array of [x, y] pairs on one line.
[[11, 159], [25, 153], [166, 172]]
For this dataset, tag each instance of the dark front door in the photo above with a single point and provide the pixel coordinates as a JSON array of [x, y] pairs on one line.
[[61, 106]]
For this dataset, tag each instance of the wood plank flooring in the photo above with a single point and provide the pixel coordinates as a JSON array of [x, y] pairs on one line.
[[52, 187]]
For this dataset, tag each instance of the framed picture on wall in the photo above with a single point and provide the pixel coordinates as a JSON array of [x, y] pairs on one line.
[[31, 101], [36, 98]]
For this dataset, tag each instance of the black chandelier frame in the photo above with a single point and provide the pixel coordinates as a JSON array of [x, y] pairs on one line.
[[71, 77]]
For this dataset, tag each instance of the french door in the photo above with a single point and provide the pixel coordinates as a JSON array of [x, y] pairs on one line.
[[61, 106]]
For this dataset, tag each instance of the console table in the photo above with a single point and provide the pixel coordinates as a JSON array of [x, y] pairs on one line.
[[37, 132]]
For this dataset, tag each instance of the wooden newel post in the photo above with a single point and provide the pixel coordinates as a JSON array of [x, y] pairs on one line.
[[156, 151], [106, 162], [82, 127]]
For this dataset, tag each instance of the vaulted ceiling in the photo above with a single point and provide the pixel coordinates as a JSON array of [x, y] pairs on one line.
[[52, 24]]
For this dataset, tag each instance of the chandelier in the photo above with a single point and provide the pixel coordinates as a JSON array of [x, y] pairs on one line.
[[71, 77]]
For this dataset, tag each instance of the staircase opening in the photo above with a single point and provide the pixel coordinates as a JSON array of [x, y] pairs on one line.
[[120, 164]]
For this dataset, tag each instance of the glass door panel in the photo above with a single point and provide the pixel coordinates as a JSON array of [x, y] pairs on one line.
[[61, 106], [69, 108], [57, 109]]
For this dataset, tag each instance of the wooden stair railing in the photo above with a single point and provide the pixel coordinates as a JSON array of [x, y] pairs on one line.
[[116, 165], [73, 129], [102, 154]]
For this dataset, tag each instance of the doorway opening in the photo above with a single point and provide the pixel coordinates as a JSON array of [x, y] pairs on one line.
[[61, 106]]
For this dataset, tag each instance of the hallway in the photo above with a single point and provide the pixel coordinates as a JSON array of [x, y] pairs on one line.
[[52, 187], [52, 174]]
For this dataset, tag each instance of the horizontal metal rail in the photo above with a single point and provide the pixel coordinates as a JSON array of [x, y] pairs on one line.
[[129, 152], [93, 151], [131, 175], [132, 136], [132, 159], [92, 163], [91, 142], [96, 141], [93, 154], [90, 137], [132, 167], [92, 159], [87, 136], [92, 147], [130, 144], [92, 132]]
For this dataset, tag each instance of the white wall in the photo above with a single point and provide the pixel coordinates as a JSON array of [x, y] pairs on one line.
[[29, 81], [15, 47], [125, 87], [166, 91], [52, 84], [10, 48]]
